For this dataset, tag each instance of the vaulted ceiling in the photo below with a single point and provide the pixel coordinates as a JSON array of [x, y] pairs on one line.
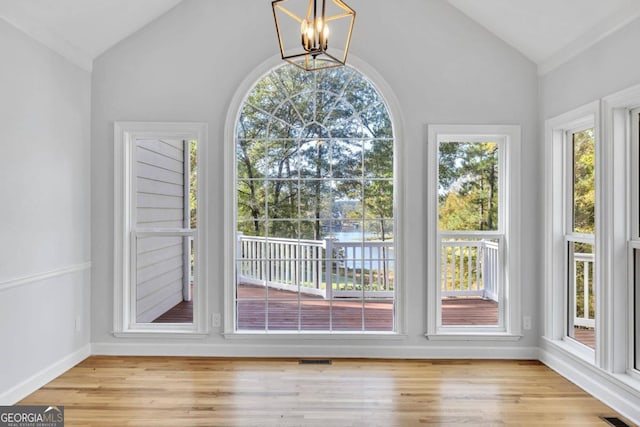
[[548, 32], [81, 30]]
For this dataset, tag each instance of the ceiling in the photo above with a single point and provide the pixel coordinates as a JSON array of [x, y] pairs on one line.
[[548, 32], [81, 30]]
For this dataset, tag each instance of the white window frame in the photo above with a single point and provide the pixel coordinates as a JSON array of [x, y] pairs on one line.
[[633, 368], [571, 236], [559, 226], [125, 135], [508, 136], [623, 233], [230, 236]]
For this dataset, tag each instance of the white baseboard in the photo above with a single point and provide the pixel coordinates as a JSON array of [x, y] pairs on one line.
[[611, 389], [306, 350], [22, 390]]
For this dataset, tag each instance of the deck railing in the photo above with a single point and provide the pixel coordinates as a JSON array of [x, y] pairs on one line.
[[584, 315], [469, 267], [328, 268]]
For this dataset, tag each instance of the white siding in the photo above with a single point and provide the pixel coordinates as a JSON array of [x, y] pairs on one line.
[[160, 175]]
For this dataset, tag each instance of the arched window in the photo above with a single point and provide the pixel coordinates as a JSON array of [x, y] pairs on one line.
[[314, 209]]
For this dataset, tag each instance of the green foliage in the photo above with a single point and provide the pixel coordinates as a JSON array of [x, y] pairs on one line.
[[584, 193], [314, 153], [468, 186], [193, 184]]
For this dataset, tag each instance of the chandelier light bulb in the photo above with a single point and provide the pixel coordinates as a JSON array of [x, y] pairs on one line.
[[311, 19], [324, 37]]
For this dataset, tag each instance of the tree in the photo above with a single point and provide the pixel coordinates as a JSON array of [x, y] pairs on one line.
[[300, 151], [468, 186], [584, 192], [193, 184]]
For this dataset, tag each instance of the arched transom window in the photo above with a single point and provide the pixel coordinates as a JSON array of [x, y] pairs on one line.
[[314, 204]]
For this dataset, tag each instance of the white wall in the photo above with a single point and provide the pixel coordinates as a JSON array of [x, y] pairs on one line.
[[608, 67], [186, 66], [44, 213]]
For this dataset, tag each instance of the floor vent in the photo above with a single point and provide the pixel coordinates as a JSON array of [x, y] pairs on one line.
[[615, 422], [314, 362]]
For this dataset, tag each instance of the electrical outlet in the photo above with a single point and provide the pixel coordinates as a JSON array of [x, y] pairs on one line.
[[216, 320], [526, 323]]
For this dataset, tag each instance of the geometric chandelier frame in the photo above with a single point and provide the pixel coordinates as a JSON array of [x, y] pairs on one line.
[[313, 34]]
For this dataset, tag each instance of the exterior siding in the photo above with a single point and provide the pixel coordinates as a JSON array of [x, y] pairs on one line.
[[160, 175]]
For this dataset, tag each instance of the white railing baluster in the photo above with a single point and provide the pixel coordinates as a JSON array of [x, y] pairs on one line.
[[468, 267], [316, 272], [354, 275], [304, 265], [585, 303], [480, 253], [454, 274], [448, 282], [587, 262]]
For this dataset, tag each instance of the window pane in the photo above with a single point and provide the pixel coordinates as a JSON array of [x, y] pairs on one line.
[[468, 179], [164, 284], [635, 128], [581, 295], [193, 184], [280, 159], [166, 201], [346, 158], [378, 315], [315, 231], [282, 198], [470, 265], [636, 308], [469, 281], [160, 178], [636, 253], [584, 182]]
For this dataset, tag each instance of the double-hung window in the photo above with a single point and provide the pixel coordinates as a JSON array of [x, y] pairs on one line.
[[573, 280], [579, 145], [160, 284], [473, 224], [634, 243]]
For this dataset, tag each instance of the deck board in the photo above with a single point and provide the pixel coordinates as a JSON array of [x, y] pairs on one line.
[[317, 314], [280, 312]]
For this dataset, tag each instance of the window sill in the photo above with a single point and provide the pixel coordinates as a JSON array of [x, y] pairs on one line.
[[311, 335], [573, 348], [164, 333], [466, 336]]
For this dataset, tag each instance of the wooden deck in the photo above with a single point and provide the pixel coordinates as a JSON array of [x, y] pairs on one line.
[[280, 312], [586, 336], [180, 313], [317, 314]]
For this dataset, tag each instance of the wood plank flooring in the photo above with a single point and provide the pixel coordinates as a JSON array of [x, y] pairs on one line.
[[177, 391]]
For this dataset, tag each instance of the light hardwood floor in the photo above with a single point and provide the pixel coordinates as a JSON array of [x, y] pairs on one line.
[[181, 391]]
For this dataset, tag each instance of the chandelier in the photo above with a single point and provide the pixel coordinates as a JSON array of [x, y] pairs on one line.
[[313, 34]]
